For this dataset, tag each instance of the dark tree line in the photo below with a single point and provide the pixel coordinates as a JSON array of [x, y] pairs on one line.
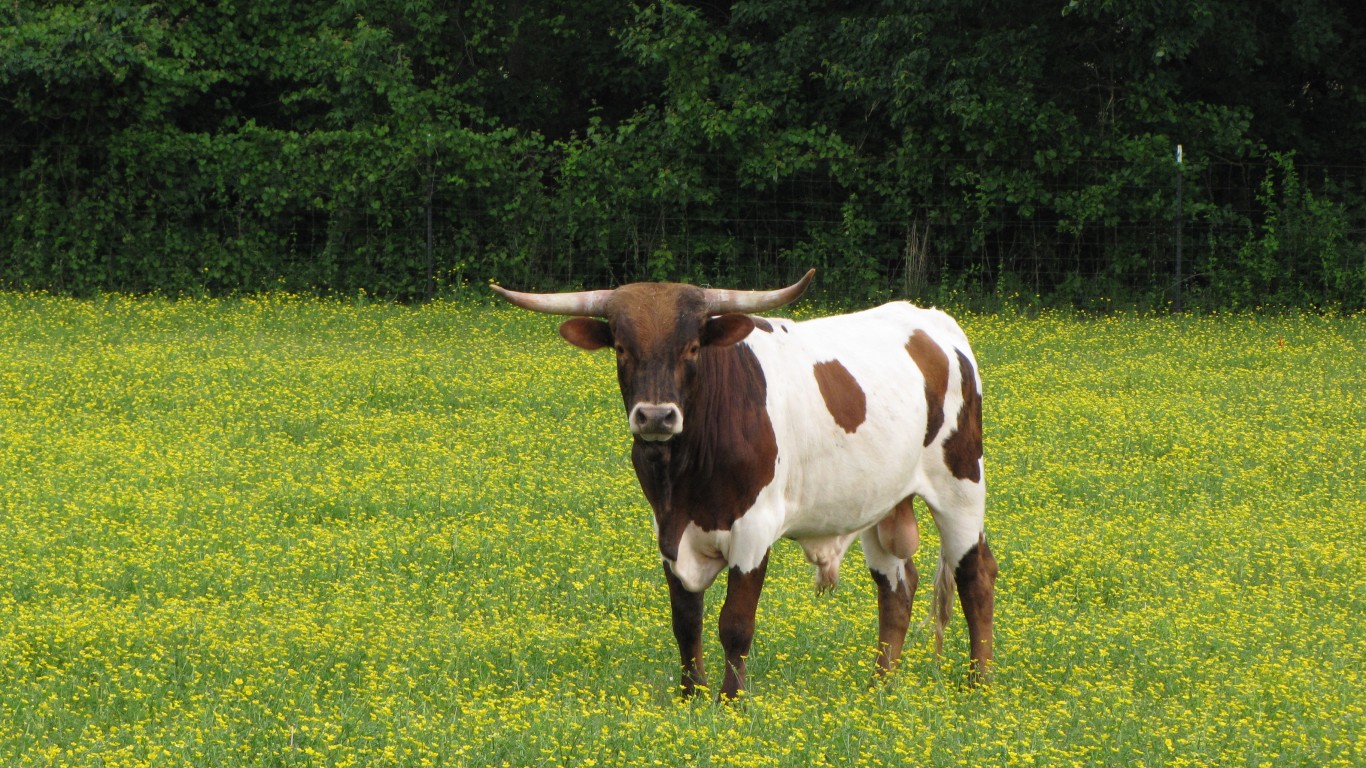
[[408, 147]]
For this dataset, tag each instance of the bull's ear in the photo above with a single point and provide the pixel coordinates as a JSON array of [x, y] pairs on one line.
[[726, 330], [587, 333]]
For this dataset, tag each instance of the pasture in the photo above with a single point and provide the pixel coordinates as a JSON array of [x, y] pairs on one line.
[[293, 532]]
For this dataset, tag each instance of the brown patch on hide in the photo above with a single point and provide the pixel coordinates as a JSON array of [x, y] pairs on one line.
[[934, 366], [963, 449], [843, 396]]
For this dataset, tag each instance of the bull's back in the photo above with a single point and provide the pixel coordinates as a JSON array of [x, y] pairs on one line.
[[854, 412]]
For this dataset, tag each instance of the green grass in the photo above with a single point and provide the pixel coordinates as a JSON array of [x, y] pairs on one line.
[[286, 531]]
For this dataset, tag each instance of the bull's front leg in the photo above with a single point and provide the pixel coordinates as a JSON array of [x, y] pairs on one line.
[[687, 608], [737, 624]]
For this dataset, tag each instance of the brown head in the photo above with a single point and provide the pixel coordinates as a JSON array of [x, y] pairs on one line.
[[658, 331]]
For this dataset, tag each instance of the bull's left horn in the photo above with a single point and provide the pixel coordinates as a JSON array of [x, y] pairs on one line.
[[579, 303], [722, 301]]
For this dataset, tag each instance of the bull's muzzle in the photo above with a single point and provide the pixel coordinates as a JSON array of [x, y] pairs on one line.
[[656, 421]]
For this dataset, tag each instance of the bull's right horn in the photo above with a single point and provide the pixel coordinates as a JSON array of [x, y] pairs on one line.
[[578, 304]]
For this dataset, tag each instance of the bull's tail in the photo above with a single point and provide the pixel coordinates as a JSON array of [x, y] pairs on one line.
[[941, 604]]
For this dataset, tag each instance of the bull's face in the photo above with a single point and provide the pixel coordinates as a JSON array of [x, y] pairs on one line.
[[660, 332]]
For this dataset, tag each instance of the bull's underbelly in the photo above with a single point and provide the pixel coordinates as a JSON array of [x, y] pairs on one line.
[[849, 488], [811, 525], [702, 555], [821, 517]]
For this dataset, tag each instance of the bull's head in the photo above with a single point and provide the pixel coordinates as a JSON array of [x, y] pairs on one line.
[[658, 331]]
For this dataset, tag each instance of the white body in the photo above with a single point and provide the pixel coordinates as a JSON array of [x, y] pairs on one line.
[[831, 485]]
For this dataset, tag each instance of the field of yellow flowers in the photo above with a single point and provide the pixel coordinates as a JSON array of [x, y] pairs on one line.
[[295, 532]]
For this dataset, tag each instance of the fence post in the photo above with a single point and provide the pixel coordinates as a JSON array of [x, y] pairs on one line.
[[429, 290], [1176, 302]]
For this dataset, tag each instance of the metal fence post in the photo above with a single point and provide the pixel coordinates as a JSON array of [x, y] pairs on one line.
[[1176, 300]]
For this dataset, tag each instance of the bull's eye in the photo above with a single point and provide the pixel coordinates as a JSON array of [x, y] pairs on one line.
[[692, 349]]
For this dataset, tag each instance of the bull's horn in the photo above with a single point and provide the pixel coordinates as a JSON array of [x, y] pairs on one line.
[[580, 303], [721, 301]]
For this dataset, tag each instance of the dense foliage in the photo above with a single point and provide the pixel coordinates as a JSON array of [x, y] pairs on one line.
[[404, 148]]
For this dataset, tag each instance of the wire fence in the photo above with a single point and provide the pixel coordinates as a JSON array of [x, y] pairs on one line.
[[1095, 233], [1150, 240]]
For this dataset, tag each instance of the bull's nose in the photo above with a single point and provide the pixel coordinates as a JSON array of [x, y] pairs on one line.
[[656, 421]]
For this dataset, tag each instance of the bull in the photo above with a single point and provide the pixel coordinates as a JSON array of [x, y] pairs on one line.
[[748, 430]]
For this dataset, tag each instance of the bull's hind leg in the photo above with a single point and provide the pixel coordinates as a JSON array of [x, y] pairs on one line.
[[965, 561], [888, 549], [976, 578], [687, 623]]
